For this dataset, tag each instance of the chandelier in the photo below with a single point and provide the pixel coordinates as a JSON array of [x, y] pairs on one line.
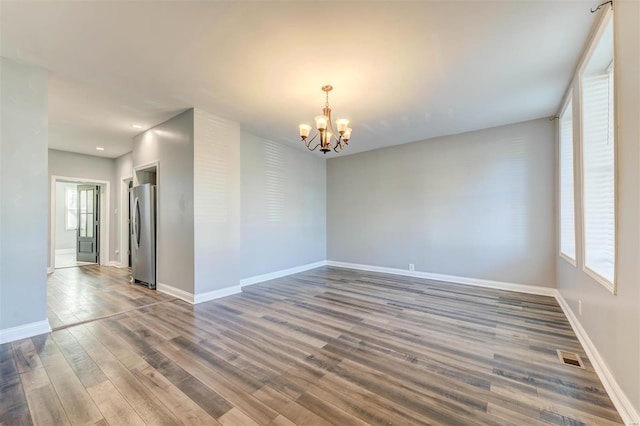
[[325, 133]]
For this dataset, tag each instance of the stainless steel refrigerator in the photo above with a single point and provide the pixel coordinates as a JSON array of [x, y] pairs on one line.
[[143, 234]]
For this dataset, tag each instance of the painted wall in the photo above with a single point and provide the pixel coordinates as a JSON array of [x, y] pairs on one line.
[[171, 144], [283, 206], [216, 180], [74, 165], [477, 205], [65, 238], [613, 321], [124, 170], [23, 194]]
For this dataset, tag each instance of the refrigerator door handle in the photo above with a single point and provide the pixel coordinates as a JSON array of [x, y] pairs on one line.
[[136, 222]]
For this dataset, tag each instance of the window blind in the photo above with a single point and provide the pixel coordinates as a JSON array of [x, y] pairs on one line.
[[598, 171], [567, 203]]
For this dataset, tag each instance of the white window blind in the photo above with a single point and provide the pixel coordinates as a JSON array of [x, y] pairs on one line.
[[598, 164], [567, 203]]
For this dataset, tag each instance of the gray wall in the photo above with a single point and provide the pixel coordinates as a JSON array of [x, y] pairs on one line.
[[69, 164], [216, 180], [65, 239], [124, 170], [613, 321], [171, 144], [477, 205], [283, 206], [23, 194]]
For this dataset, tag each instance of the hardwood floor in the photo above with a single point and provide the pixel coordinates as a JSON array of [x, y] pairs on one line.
[[86, 293], [327, 346]]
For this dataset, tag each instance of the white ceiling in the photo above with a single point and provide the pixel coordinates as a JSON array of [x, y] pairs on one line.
[[401, 71]]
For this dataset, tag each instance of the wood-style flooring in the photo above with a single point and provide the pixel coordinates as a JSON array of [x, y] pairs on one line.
[[326, 346], [86, 293]]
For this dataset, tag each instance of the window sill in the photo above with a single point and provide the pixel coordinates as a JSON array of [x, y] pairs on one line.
[[600, 279], [569, 259]]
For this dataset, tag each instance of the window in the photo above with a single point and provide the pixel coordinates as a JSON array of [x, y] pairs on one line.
[[598, 160], [71, 208], [567, 200]]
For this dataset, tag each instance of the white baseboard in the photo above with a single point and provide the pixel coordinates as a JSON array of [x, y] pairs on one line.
[[282, 273], [500, 285], [117, 264], [23, 331], [175, 292], [622, 403], [216, 294]]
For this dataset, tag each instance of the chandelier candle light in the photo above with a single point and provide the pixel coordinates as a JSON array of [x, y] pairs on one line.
[[325, 130]]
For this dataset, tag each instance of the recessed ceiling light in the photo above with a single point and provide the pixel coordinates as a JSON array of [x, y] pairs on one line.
[[99, 148], [137, 126]]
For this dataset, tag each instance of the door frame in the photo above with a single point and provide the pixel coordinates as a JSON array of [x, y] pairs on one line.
[[105, 197], [124, 222]]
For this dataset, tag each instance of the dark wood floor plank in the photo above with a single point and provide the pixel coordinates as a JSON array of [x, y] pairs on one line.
[[137, 395], [45, 407], [25, 355], [13, 404]]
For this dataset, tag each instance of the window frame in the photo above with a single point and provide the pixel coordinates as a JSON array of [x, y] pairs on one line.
[[568, 101], [602, 26], [67, 209]]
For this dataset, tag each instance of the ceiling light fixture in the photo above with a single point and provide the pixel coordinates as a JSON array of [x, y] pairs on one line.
[[325, 129], [99, 148], [137, 126]]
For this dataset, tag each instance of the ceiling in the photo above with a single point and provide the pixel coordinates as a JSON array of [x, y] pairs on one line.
[[401, 71]]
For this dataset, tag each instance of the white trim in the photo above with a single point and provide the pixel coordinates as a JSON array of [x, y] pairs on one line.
[[282, 273], [500, 285], [200, 297], [115, 264], [50, 270], [599, 278], [568, 259], [23, 331], [123, 220], [175, 292], [105, 210], [606, 17], [622, 403], [216, 294]]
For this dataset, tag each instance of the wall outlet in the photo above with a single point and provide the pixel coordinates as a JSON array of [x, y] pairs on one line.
[[580, 307], [412, 267]]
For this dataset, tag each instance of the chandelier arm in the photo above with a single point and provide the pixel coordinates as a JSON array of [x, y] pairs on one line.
[[314, 148], [337, 147], [340, 146], [307, 142]]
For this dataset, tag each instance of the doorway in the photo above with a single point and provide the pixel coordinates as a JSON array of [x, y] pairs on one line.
[[79, 222]]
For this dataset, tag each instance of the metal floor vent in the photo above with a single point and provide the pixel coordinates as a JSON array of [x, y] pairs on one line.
[[570, 358]]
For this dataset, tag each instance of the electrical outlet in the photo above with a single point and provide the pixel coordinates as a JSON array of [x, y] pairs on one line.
[[580, 307], [412, 267]]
